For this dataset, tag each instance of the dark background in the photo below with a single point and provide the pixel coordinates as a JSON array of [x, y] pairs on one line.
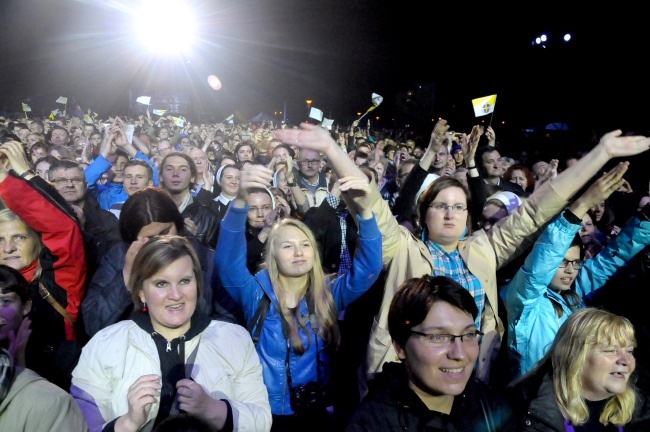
[[427, 59]]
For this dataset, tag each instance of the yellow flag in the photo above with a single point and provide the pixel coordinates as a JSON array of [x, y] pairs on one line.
[[484, 105]]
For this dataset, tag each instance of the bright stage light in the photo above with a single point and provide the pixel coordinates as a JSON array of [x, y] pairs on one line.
[[166, 26]]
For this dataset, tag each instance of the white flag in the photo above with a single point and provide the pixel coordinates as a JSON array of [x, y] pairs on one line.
[[159, 112], [377, 99], [63, 100], [327, 123], [146, 100], [315, 113]]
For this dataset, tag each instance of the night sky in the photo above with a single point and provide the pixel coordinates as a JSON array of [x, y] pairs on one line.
[[337, 53]]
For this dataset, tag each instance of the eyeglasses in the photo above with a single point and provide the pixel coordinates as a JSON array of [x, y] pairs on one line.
[[62, 181], [442, 207], [310, 162], [576, 264], [443, 340]]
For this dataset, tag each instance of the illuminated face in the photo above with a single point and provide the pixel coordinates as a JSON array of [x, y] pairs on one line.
[[446, 227], [309, 163], [587, 230], [136, 178], [564, 277], [599, 211], [88, 130], [176, 175], [171, 296], [519, 178], [442, 371], [607, 370], [12, 312], [32, 139], [41, 169], [37, 153], [200, 159], [492, 165], [293, 252], [20, 245], [95, 139], [272, 145], [230, 181], [59, 137], [185, 143], [118, 169], [442, 158], [22, 134], [245, 153], [539, 169], [379, 168], [260, 207], [281, 153], [71, 184], [163, 133], [164, 148]]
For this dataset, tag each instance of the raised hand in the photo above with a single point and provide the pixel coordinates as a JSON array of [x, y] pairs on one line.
[[617, 145], [309, 136], [15, 158], [600, 190], [358, 189], [253, 176], [491, 136]]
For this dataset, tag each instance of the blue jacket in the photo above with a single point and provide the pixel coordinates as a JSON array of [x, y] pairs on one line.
[[114, 192], [247, 290], [532, 321]]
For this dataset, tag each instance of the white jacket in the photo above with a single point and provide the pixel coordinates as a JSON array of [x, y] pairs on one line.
[[226, 366]]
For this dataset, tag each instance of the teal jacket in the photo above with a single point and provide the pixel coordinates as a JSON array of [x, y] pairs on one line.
[[532, 321]]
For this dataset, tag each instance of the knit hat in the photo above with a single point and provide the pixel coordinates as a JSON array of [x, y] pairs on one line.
[[456, 148]]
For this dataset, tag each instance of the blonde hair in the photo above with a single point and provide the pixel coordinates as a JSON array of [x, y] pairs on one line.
[[7, 215], [582, 332], [318, 286]]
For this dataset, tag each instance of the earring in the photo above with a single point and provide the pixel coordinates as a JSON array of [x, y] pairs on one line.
[[144, 308]]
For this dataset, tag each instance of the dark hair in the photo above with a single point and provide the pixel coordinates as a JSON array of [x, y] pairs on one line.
[[47, 158], [140, 162], [292, 153], [437, 186], [53, 128], [145, 206], [479, 156], [11, 280], [64, 151], [6, 136], [243, 144], [572, 299], [414, 298]]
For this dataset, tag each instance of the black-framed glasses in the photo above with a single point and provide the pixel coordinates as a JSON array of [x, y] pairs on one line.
[[443, 339], [576, 264], [310, 162]]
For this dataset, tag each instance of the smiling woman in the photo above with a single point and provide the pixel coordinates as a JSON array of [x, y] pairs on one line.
[[134, 374]]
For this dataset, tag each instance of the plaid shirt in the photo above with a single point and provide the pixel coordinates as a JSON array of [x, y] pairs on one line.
[[346, 259], [451, 264]]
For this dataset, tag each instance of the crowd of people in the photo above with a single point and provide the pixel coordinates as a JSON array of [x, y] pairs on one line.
[[262, 277]]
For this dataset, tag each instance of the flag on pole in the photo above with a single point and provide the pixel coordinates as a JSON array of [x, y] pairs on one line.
[[88, 119], [145, 100], [484, 105], [26, 107], [179, 121], [159, 112], [54, 113], [62, 100], [376, 101], [316, 114], [327, 123], [230, 118]]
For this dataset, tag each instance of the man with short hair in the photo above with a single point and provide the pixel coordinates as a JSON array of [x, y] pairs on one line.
[[488, 163], [313, 183], [138, 175], [441, 161], [178, 173], [100, 227], [58, 135], [165, 147]]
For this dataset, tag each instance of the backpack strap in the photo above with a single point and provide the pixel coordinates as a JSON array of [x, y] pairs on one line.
[[257, 322]]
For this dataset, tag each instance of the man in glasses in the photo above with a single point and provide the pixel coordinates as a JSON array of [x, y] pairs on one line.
[[432, 322], [312, 182], [100, 227]]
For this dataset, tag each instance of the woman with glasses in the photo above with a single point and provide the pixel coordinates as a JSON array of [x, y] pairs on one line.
[[432, 321], [554, 279], [446, 248]]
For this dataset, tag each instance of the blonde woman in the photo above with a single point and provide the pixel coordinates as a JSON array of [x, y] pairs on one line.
[[584, 381], [300, 324]]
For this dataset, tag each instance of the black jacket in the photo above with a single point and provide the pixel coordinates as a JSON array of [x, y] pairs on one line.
[[392, 406], [101, 230], [207, 223]]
